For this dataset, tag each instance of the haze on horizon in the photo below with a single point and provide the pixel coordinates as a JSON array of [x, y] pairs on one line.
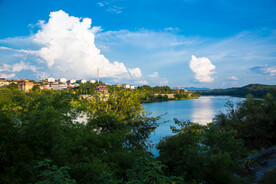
[[196, 43]]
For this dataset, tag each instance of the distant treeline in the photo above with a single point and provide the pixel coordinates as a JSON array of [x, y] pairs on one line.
[[161, 93], [257, 90]]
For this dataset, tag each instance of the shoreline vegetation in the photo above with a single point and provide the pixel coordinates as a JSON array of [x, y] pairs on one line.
[[150, 94], [256, 90], [165, 93], [42, 142]]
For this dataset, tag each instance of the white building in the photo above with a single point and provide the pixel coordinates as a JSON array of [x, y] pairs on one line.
[[92, 81], [62, 80], [82, 81], [126, 86], [58, 86], [51, 79], [71, 81], [132, 87]]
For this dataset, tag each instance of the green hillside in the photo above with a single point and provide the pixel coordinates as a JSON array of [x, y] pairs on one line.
[[257, 90]]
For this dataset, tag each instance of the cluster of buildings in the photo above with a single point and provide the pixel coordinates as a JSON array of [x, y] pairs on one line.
[[57, 84], [127, 86]]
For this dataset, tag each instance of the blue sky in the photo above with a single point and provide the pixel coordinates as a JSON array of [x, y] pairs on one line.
[[200, 43]]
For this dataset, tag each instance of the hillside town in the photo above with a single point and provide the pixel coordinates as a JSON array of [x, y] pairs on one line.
[[57, 84]]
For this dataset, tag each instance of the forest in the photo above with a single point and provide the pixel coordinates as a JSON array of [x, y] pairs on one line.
[[44, 140], [256, 90]]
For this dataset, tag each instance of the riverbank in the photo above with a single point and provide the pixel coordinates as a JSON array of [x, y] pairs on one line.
[[150, 98], [171, 99]]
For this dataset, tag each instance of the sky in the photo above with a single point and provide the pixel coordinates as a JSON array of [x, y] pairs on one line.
[[199, 43]]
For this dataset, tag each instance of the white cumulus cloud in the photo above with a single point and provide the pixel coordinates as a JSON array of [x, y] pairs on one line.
[[135, 72], [203, 69], [69, 50]]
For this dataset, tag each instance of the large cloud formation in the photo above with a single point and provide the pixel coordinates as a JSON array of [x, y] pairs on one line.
[[68, 49], [203, 69]]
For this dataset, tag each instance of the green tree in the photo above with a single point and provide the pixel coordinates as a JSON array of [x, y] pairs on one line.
[[149, 171], [52, 174], [36, 88], [253, 119], [201, 153], [12, 86]]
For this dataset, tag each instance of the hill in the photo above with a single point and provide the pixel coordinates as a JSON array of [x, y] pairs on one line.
[[257, 90]]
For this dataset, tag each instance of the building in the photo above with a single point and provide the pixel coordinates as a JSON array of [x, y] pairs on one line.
[[82, 81], [4, 82], [132, 87], [25, 85], [71, 81], [101, 88], [61, 80], [119, 85], [92, 81], [42, 85], [58, 86], [126, 86], [51, 79]]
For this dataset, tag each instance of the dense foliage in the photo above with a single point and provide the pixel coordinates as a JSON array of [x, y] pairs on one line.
[[253, 119], [201, 153], [215, 153], [39, 126], [66, 137], [257, 90], [160, 94]]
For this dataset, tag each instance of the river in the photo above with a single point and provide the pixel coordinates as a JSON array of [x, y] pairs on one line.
[[201, 110]]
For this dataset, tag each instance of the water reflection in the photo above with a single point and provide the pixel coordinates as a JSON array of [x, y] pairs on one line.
[[202, 110]]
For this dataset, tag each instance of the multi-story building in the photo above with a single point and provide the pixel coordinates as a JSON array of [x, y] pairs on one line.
[[58, 86], [126, 86], [101, 88], [51, 79], [61, 80], [25, 85]]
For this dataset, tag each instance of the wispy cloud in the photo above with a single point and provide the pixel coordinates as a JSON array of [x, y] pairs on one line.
[[7, 76], [115, 9], [100, 4], [233, 78], [155, 79], [172, 29], [18, 67], [111, 6], [267, 70]]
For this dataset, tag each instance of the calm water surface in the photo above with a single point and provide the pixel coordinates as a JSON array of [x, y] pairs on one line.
[[201, 110]]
